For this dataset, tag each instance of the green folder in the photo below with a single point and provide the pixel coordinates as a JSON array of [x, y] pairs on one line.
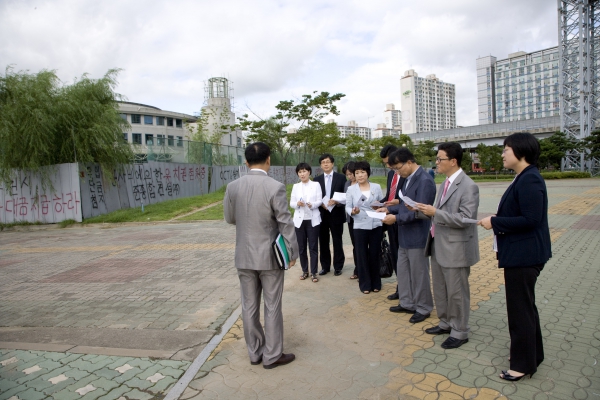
[[281, 253]]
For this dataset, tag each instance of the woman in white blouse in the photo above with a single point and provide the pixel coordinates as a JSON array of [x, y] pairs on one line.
[[305, 200], [368, 231]]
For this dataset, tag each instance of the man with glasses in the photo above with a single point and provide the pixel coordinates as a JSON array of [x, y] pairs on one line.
[[394, 183], [453, 245], [413, 265]]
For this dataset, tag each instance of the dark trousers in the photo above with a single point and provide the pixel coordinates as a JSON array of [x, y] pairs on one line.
[[337, 230], [308, 234], [368, 251], [351, 230], [392, 231], [526, 346]]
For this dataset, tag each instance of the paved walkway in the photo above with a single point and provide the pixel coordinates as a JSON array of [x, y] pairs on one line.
[[121, 313]]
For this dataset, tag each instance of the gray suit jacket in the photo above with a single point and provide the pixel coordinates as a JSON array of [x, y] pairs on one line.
[[258, 206], [456, 243]]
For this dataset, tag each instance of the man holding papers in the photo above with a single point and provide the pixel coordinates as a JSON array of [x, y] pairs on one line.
[[257, 205], [414, 289], [332, 217]]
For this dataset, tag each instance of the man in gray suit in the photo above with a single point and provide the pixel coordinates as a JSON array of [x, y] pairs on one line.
[[257, 205], [453, 245]]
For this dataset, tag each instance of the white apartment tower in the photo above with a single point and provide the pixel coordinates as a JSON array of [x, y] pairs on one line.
[[352, 129], [520, 87], [428, 104], [392, 117]]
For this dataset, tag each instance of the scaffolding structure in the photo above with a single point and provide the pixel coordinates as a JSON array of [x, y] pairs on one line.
[[218, 87], [579, 55]]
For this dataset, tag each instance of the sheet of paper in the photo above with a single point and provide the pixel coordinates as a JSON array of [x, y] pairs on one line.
[[469, 221], [407, 200], [325, 201], [339, 197], [377, 204], [361, 202], [376, 215]]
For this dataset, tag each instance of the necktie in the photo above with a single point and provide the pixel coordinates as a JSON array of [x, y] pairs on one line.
[[394, 187], [328, 186], [446, 185]]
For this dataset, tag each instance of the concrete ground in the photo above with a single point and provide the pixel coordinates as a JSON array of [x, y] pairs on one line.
[[120, 312]]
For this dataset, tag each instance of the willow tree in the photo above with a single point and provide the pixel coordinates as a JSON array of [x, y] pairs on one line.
[[45, 122]]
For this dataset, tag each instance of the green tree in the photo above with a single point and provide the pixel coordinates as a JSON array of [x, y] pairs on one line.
[[425, 153], [467, 162], [490, 157], [315, 139], [43, 122], [554, 148], [592, 143], [303, 113]]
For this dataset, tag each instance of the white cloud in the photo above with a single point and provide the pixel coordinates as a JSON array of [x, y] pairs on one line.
[[273, 50]]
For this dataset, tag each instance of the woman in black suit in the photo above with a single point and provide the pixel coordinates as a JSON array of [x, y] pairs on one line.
[[522, 240]]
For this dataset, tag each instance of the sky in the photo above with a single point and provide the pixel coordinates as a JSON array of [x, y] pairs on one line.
[[273, 50]]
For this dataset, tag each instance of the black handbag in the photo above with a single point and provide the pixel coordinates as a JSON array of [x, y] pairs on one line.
[[386, 265]]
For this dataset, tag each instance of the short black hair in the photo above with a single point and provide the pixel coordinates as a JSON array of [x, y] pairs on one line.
[[302, 166], [453, 150], [326, 155], [401, 155], [387, 150], [257, 153], [363, 166], [349, 166], [524, 144]]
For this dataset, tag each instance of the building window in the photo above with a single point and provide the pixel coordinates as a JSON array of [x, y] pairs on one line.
[[148, 119], [125, 137], [160, 140], [239, 142], [136, 138], [160, 121], [171, 140], [169, 121], [124, 116], [179, 141], [136, 119], [178, 123], [149, 139]]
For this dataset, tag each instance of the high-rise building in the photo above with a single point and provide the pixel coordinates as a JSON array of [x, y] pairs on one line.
[[382, 131], [392, 117], [352, 129], [522, 86], [428, 104]]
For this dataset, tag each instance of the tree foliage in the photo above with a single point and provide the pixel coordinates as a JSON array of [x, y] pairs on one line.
[[425, 153], [592, 143], [490, 157], [43, 122], [554, 148], [467, 162]]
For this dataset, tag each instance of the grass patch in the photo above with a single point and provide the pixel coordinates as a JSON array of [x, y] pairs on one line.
[[66, 222], [210, 214], [20, 223], [164, 211]]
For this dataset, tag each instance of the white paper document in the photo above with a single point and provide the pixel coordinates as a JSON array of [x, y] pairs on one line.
[[325, 201], [361, 201], [407, 200], [339, 197], [469, 221], [377, 204], [376, 215]]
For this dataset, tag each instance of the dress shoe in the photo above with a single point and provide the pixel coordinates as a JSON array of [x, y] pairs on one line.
[[337, 273], [418, 317], [256, 362], [284, 359], [393, 296], [508, 377], [399, 308], [323, 272], [453, 343], [436, 330]]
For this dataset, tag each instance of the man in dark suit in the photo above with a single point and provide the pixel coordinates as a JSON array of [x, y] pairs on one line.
[[413, 265], [331, 221], [257, 205], [394, 182]]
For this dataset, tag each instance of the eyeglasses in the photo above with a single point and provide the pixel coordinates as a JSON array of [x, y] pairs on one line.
[[398, 168], [437, 159]]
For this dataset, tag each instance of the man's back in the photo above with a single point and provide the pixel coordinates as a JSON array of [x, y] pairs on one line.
[[257, 205]]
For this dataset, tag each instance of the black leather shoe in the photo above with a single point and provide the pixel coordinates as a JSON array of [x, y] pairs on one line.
[[436, 330], [256, 362], [418, 317], [393, 296], [453, 343], [323, 272], [284, 359], [399, 308], [337, 273]]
